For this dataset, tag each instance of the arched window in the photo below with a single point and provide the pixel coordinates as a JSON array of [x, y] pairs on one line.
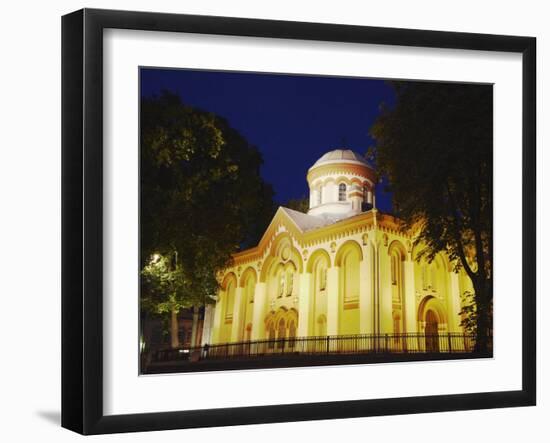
[[281, 281], [350, 275], [289, 282], [396, 277], [394, 264], [250, 290], [342, 192], [230, 300], [322, 278], [365, 194]]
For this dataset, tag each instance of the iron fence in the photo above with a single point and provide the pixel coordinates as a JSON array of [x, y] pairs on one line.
[[410, 343]]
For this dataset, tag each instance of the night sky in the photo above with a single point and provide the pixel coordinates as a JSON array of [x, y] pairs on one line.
[[293, 120]]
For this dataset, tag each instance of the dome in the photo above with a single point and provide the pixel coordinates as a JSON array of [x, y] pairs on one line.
[[341, 184], [341, 156]]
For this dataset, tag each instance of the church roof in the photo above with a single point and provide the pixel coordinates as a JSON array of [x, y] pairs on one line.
[[341, 156], [309, 222]]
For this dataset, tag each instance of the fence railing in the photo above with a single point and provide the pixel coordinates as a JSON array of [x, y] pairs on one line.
[[412, 343]]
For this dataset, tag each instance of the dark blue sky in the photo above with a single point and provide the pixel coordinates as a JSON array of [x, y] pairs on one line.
[[292, 119]]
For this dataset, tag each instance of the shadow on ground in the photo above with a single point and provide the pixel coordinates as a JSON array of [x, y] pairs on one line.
[[54, 417]]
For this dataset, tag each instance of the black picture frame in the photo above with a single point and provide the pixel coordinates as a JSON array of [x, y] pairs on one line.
[[82, 219]]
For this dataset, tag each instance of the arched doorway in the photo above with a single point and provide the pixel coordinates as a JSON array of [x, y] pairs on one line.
[[432, 320], [432, 328], [291, 334], [270, 334], [281, 333]]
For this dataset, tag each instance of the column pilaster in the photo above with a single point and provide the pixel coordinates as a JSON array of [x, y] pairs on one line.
[[304, 304], [236, 327], [366, 295], [333, 301], [409, 297], [258, 314], [218, 317]]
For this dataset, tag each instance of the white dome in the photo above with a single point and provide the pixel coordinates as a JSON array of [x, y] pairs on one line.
[[341, 156], [341, 184]]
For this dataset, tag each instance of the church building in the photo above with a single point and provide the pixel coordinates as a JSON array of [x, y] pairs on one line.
[[342, 269]]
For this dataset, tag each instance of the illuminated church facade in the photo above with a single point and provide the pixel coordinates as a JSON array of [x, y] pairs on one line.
[[343, 268]]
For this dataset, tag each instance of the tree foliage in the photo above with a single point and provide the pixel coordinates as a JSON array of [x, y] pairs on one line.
[[298, 204], [436, 147], [202, 198], [165, 286]]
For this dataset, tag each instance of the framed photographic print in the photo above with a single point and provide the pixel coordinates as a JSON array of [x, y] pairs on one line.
[[269, 221]]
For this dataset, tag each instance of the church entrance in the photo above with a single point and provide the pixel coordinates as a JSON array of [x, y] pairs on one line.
[[431, 331]]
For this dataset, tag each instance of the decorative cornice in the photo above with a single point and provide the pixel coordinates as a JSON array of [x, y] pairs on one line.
[[357, 224], [341, 168]]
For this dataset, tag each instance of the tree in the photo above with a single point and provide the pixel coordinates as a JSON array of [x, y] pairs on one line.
[[163, 291], [202, 198], [298, 204], [436, 145]]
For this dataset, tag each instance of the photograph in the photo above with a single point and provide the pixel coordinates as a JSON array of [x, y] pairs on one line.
[[291, 220]]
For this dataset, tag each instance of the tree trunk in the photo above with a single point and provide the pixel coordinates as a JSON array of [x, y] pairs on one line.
[[147, 339], [174, 327], [195, 325], [482, 316]]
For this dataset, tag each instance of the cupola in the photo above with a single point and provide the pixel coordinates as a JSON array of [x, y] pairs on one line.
[[341, 184]]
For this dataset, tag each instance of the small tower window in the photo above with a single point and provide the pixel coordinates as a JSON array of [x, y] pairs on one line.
[[319, 195], [342, 192]]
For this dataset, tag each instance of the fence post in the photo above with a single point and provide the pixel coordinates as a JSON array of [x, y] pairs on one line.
[[328, 344], [449, 340], [386, 343]]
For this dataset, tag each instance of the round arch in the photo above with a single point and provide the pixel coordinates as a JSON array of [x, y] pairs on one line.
[[343, 179], [344, 248], [229, 277], [328, 180], [430, 303], [292, 315], [315, 256], [397, 247], [366, 182], [266, 267], [249, 272], [281, 313], [270, 316], [274, 255], [279, 241]]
